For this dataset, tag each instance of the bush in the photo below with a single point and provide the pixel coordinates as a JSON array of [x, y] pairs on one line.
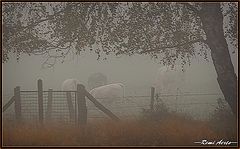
[[223, 121], [161, 112]]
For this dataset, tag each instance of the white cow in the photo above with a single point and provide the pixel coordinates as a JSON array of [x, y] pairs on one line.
[[108, 93], [70, 85], [169, 80]]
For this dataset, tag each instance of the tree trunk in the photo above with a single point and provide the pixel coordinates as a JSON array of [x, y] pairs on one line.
[[212, 22]]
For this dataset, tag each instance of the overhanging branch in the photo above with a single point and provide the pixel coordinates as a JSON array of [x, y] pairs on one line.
[[191, 7], [175, 46], [50, 17]]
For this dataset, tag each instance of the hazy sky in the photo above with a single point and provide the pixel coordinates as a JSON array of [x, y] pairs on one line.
[[136, 72], [133, 71]]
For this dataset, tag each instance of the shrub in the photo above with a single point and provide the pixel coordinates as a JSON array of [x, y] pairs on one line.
[[223, 121]]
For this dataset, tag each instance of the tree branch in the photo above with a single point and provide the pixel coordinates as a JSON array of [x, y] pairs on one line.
[[55, 57], [174, 46], [40, 21], [191, 7]]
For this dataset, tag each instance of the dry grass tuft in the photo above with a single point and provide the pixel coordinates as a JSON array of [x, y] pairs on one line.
[[174, 130]]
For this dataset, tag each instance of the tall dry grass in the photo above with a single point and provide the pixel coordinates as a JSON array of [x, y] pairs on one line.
[[155, 128], [172, 131]]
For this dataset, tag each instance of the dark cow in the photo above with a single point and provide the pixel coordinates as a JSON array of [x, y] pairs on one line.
[[96, 80]]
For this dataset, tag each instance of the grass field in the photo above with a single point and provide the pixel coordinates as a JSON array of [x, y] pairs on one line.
[[173, 130]]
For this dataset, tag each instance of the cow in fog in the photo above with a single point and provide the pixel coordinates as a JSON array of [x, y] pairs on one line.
[[109, 93], [169, 80], [96, 80], [70, 85]]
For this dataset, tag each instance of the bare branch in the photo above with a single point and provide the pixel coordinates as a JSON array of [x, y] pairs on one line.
[[48, 64], [40, 52], [40, 21]]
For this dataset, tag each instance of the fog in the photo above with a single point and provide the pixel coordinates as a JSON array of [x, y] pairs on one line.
[[136, 72], [133, 71], [129, 100]]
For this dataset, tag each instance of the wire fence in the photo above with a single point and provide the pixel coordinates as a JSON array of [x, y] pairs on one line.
[[59, 105], [129, 107]]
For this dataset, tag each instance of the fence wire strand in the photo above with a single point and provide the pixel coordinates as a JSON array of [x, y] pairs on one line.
[[29, 103]]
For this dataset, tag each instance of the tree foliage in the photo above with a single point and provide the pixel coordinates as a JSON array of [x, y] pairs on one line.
[[166, 31]]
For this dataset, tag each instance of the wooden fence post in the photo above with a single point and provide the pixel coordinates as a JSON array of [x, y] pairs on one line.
[[49, 105], [70, 106], [152, 98], [40, 100], [17, 103], [81, 101]]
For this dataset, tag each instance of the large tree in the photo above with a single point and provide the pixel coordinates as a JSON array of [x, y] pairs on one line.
[[169, 32]]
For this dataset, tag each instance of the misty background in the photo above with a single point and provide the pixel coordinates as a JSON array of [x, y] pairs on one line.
[[133, 71], [137, 73]]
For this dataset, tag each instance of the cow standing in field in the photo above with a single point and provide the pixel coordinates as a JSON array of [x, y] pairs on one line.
[[96, 80], [109, 93], [70, 85]]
